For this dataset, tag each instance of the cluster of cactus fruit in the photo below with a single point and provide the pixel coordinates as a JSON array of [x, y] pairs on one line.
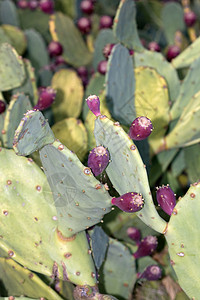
[[88, 205]]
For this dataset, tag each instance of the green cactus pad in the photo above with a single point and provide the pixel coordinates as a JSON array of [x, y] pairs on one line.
[[36, 242], [11, 68], [125, 28], [173, 20], [94, 87], [69, 95], [99, 244], [189, 87], [17, 38], [67, 7], [20, 281], [187, 131], [126, 169], [178, 165], [81, 201], [192, 161], [17, 107], [4, 38], [184, 246], [104, 37], [29, 86], [74, 48], [8, 13], [32, 133], [17, 298], [73, 134], [187, 56], [156, 61], [35, 19], [152, 101], [118, 272], [120, 85], [36, 49]]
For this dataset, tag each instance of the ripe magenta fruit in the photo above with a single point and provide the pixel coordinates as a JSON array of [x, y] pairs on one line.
[[172, 52], [102, 67], [55, 49], [47, 6], [2, 106], [98, 160], [190, 18], [87, 7], [105, 22], [33, 4], [129, 202], [153, 46], [22, 4], [134, 234], [82, 71], [151, 273], [107, 50], [46, 98], [140, 128], [166, 199], [93, 103], [84, 25], [146, 246]]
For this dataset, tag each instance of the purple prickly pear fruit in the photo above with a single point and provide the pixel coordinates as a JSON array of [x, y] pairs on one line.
[[153, 46], [107, 50], [98, 160], [22, 4], [84, 25], [102, 67], [190, 18], [172, 52], [59, 60], [2, 106], [166, 199], [87, 7], [146, 246], [134, 234], [46, 98], [129, 202], [140, 128], [93, 103], [82, 71], [105, 22], [151, 273], [47, 6], [55, 49], [131, 52], [33, 4]]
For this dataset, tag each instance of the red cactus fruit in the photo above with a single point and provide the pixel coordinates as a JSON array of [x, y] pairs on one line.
[[166, 199], [82, 71], [98, 160], [129, 202], [190, 18], [146, 246], [93, 103], [131, 52], [153, 46], [107, 50], [2, 106], [23, 4], [46, 98], [102, 67], [33, 4], [55, 49], [140, 128], [105, 22], [47, 6], [172, 52], [134, 234], [152, 273], [84, 25], [87, 7]]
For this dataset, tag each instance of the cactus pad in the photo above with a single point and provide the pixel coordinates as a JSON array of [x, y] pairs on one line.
[[11, 68], [184, 246], [126, 169], [17, 38]]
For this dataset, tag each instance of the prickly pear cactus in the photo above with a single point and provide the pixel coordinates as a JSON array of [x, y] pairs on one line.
[[184, 246]]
